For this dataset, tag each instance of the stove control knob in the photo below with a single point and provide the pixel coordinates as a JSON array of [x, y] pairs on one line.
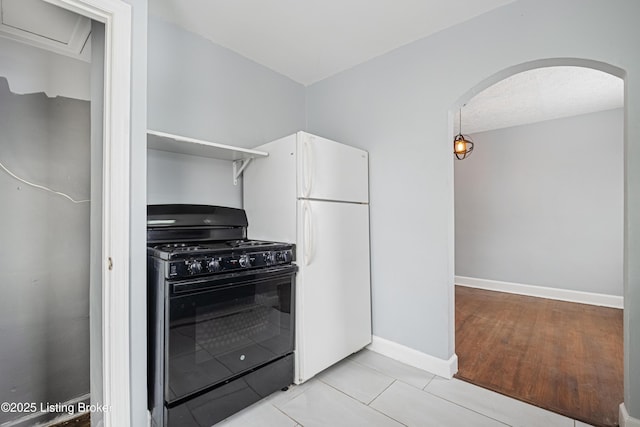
[[245, 261], [283, 257], [194, 267], [270, 258], [213, 265]]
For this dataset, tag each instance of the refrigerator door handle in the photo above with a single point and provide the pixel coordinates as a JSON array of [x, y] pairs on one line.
[[307, 166], [308, 232]]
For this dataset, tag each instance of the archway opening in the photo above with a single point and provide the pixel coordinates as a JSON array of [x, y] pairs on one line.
[[539, 212]]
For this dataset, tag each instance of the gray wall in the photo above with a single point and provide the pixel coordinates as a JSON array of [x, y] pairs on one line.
[[542, 204], [30, 69], [178, 178], [399, 107], [44, 262], [201, 90]]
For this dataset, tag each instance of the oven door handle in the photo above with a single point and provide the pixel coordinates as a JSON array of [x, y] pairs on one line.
[[307, 221], [231, 280]]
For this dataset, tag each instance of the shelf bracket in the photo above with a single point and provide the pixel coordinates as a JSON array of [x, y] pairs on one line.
[[239, 167]]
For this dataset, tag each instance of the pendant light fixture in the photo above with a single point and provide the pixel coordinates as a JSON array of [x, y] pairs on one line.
[[462, 145]]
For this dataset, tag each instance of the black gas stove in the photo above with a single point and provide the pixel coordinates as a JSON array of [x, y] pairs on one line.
[[199, 240], [221, 314]]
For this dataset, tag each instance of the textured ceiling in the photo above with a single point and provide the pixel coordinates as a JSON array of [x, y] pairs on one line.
[[541, 94], [309, 40]]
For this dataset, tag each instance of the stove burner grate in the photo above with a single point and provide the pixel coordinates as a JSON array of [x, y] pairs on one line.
[[180, 247], [243, 243]]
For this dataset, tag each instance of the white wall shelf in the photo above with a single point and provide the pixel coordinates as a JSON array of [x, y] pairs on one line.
[[195, 147]]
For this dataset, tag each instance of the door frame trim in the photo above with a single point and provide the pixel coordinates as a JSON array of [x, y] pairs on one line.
[[115, 266]]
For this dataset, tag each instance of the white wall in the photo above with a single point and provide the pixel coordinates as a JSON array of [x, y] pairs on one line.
[[202, 90], [542, 204], [398, 106], [31, 70]]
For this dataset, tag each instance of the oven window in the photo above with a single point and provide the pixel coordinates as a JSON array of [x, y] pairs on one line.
[[226, 330]]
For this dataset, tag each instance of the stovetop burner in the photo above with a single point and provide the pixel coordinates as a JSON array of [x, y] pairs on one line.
[[179, 247], [197, 240], [246, 243], [214, 246]]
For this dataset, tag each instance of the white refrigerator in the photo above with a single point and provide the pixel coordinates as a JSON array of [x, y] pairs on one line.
[[314, 192]]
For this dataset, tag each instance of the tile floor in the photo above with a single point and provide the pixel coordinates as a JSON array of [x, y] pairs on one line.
[[368, 389]]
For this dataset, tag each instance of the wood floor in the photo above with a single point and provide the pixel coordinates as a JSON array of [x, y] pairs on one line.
[[561, 356]]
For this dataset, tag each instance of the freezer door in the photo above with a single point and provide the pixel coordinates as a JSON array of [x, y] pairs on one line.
[[333, 312], [328, 170], [269, 192]]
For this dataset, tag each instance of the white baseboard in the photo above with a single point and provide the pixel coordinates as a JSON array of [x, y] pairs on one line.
[[626, 420], [542, 292], [415, 358]]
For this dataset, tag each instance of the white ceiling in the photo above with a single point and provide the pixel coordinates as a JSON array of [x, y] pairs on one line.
[[309, 40]]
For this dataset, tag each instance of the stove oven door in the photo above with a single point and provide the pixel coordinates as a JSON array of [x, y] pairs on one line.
[[221, 328]]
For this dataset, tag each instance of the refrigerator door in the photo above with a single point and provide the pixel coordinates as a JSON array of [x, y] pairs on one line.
[[328, 170], [269, 192], [333, 287]]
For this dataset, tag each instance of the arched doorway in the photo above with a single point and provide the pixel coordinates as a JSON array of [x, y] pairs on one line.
[[509, 286]]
